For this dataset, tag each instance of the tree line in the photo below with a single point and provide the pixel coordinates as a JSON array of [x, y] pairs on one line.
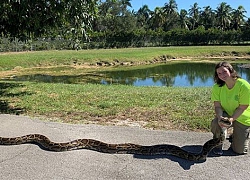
[[67, 24]]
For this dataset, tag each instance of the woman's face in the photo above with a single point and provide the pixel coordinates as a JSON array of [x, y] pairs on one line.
[[223, 73]]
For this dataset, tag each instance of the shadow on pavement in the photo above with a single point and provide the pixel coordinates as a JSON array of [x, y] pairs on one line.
[[186, 164]]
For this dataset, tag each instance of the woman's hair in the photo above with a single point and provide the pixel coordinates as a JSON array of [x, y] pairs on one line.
[[229, 67]]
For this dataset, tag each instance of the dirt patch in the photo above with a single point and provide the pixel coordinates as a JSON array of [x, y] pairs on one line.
[[20, 52], [133, 118], [8, 74]]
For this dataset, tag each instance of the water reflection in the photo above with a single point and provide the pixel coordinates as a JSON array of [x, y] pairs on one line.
[[175, 74], [171, 74]]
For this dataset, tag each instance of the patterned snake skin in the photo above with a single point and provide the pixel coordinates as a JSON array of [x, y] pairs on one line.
[[127, 148]]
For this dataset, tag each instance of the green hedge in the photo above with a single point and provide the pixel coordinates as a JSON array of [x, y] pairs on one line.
[[138, 38]]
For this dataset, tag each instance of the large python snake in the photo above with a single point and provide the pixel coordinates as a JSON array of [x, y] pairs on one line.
[[126, 148]]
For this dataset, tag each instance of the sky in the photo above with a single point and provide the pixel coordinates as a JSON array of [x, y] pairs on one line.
[[186, 4]]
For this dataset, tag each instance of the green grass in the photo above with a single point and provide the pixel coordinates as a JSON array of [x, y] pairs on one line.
[[48, 58], [150, 107], [154, 107]]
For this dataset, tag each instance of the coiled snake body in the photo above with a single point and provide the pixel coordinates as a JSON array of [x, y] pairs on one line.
[[126, 148]]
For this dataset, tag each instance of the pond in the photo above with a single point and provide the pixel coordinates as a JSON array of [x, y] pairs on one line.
[[171, 74], [175, 74]]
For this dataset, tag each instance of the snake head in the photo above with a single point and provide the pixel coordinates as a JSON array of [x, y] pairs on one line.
[[224, 121]]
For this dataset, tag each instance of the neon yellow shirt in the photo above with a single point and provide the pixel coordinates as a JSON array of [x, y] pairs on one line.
[[230, 99]]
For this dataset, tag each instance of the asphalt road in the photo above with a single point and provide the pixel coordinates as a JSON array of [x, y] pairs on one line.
[[29, 161]]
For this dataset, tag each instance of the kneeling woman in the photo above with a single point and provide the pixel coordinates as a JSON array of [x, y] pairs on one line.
[[231, 97]]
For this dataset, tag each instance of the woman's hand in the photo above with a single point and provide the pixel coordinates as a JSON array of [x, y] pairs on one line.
[[225, 122]]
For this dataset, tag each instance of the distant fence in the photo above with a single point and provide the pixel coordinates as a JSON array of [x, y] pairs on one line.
[[130, 39], [15, 45]]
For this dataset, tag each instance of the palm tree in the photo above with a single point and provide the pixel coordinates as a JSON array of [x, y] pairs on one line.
[[223, 15], [170, 8], [124, 5], [183, 19], [238, 17], [207, 17], [143, 15], [144, 11], [157, 19], [171, 14], [194, 14]]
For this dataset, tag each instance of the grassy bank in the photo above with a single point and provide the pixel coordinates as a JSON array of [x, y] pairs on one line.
[[134, 55], [148, 107]]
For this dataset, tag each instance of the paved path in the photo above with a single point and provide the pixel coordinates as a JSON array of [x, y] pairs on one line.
[[28, 161]]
